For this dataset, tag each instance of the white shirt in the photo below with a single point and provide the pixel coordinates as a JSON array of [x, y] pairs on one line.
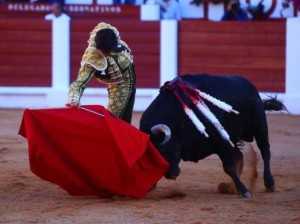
[[51, 16], [172, 9]]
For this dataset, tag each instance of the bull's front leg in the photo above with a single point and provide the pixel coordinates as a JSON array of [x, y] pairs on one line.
[[229, 165]]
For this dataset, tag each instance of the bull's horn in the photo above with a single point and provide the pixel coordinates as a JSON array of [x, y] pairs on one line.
[[156, 129]]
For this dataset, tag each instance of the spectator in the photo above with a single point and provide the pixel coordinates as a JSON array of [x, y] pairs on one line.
[[15, 1], [234, 12], [170, 9], [47, 1], [57, 12], [126, 2]]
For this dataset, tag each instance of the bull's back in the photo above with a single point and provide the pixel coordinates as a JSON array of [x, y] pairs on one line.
[[222, 86], [236, 91]]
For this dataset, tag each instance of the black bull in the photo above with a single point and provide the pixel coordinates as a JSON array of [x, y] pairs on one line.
[[176, 136]]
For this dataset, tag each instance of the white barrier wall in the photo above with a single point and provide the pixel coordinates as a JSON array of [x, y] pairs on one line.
[[168, 50], [56, 96], [60, 62], [292, 81]]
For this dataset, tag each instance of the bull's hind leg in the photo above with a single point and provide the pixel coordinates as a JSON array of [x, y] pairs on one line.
[[239, 163], [262, 141], [232, 160]]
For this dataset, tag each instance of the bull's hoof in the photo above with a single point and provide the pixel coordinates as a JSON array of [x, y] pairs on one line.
[[269, 184], [245, 195], [270, 189]]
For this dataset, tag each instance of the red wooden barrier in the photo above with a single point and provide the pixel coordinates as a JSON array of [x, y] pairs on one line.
[[93, 11], [25, 52], [141, 37], [255, 50]]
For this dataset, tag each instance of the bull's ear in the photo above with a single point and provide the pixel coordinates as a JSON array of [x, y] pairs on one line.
[[162, 128]]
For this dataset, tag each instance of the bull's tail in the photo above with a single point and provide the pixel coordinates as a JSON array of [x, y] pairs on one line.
[[273, 104]]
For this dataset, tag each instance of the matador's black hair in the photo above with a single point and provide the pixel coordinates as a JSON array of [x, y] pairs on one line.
[[106, 40]]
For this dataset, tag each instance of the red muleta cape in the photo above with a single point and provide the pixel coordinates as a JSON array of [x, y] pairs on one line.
[[87, 154]]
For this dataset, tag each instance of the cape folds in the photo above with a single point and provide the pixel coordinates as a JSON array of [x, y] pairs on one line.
[[88, 154]]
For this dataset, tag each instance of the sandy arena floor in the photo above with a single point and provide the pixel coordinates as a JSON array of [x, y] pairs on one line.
[[192, 198]]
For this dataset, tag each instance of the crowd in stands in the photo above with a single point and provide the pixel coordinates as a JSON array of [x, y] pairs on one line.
[[169, 9], [34, 1], [57, 12], [131, 2], [235, 12]]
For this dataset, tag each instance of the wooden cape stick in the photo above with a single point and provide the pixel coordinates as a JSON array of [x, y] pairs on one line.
[[91, 111]]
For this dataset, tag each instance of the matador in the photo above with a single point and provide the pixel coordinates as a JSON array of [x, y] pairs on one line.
[[109, 59]]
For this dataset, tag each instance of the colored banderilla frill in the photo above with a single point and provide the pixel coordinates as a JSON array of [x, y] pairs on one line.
[[196, 96]]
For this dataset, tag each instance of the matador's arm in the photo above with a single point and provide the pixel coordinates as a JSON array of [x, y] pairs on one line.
[[77, 87]]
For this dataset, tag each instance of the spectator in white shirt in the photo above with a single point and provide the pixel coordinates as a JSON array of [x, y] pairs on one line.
[[57, 12], [170, 9]]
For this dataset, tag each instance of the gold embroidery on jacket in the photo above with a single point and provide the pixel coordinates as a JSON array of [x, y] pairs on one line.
[[93, 57], [119, 73]]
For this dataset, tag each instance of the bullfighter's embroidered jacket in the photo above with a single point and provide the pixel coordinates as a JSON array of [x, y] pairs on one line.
[[116, 70]]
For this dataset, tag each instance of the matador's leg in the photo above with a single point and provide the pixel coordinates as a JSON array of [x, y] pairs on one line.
[[121, 100]]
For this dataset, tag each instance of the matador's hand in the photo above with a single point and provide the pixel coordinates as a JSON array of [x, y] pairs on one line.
[[73, 104]]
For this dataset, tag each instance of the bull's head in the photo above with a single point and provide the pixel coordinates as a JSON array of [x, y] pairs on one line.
[[170, 150]]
